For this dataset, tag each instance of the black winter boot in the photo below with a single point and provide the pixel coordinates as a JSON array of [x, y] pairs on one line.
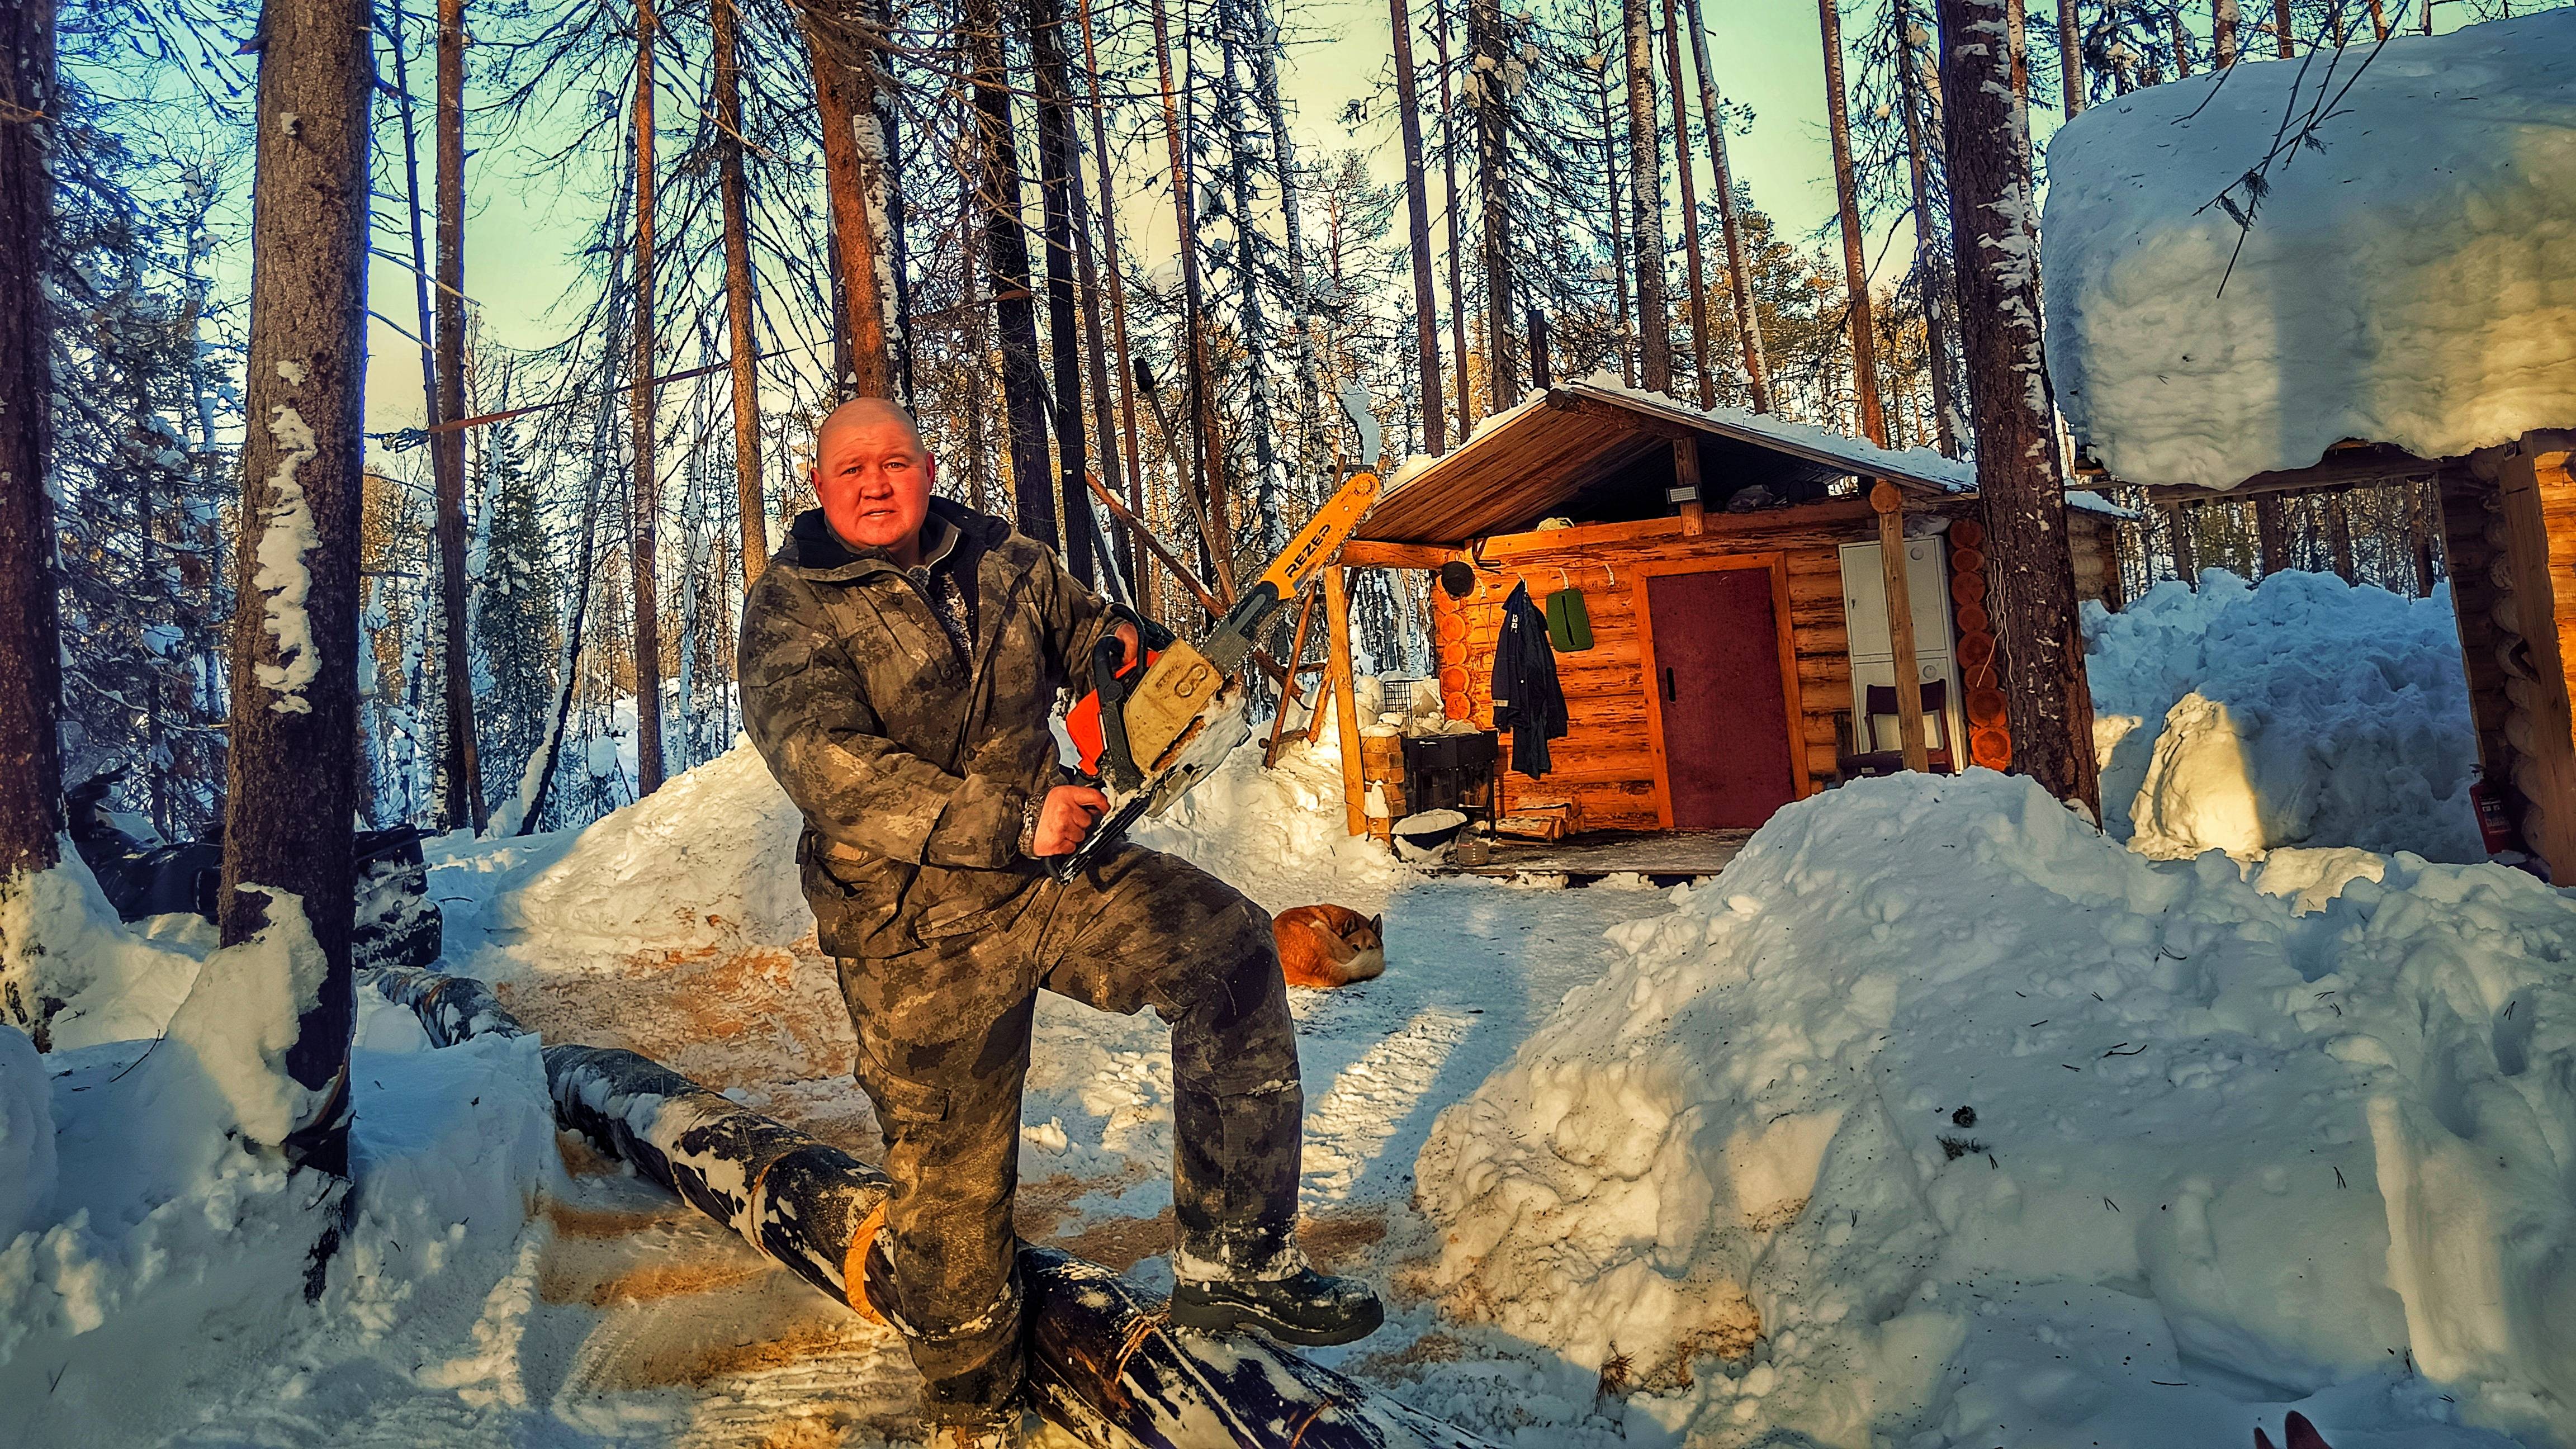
[[1306, 1307]]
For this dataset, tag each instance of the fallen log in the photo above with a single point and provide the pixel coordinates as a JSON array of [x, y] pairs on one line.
[[1105, 1365]]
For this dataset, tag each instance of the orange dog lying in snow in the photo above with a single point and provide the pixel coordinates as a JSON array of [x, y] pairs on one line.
[[1325, 946]]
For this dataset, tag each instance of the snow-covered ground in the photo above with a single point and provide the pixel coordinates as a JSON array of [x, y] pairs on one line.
[[1634, 1166], [2303, 712]]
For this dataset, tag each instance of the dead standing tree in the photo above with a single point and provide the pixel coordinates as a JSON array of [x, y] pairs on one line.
[[294, 756], [1489, 86], [1739, 276], [1864, 332], [1426, 315], [1646, 201], [31, 784], [462, 770], [854, 182], [1059, 183], [1006, 258], [1697, 267], [733, 193], [2030, 573], [1457, 217], [647, 492], [1218, 525]]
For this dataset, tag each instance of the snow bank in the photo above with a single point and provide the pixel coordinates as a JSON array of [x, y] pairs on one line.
[[708, 858], [2303, 712], [26, 1134], [2407, 283], [1957, 1123], [91, 978], [1278, 835]]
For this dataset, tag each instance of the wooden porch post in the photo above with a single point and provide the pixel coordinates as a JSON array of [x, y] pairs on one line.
[[2539, 507], [1686, 475], [1288, 686], [1337, 622], [1890, 503]]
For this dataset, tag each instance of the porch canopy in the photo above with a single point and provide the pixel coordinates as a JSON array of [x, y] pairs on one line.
[[1596, 452]]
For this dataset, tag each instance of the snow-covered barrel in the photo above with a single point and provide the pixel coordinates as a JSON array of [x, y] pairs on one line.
[[1104, 1362]]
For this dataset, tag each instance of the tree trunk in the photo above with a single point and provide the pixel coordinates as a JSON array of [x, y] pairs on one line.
[[883, 175], [1493, 143], [1283, 163], [465, 803], [2178, 531], [1417, 201], [293, 776], [1006, 259], [1133, 455], [844, 93], [2421, 501], [647, 487], [2029, 571], [753, 502], [1931, 273], [972, 320], [2281, 29], [2339, 535], [1864, 332], [1610, 168], [1457, 216], [2070, 58], [1697, 269], [2271, 535], [31, 778], [1059, 175], [1095, 345], [1209, 452], [2181, 48], [1739, 274], [1646, 202]]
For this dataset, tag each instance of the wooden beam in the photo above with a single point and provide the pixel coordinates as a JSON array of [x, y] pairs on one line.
[[1288, 687], [1145, 535], [1363, 553], [2539, 497], [1686, 475], [1337, 620], [2341, 468], [1889, 500]]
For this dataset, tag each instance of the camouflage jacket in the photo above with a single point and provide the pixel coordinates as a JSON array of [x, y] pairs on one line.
[[913, 765]]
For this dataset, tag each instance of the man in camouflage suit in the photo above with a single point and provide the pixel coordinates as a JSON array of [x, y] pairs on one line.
[[900, 660]]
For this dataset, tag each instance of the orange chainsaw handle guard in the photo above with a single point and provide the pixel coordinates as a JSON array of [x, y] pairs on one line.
[[1082, 721]]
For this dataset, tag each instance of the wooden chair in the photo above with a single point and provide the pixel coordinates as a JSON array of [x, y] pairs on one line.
[[1879, 701]]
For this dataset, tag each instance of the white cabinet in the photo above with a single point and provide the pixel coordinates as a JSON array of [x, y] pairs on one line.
[[1927, 587]]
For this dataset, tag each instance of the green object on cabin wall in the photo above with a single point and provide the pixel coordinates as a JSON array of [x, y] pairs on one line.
[[1569, 621]]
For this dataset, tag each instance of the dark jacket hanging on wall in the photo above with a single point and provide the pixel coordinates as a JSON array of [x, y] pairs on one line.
[[1527, 700]]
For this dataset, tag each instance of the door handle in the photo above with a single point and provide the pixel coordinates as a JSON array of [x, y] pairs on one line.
[[1668, 684]]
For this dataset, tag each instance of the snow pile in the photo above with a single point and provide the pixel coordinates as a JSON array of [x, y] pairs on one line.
[[92, 978], [26, 1134], [155, 1262], [1941, 1119], [708, 858], [1279, 835], [2303, 712], [2404, 281]]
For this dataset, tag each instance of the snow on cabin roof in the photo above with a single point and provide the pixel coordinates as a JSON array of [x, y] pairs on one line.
[[2412, 283], [1560, 444]]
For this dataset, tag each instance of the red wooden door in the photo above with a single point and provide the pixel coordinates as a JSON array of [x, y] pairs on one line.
[[1717, 682]]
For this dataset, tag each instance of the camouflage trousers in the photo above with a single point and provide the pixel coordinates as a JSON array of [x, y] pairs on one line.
[[944, 1047]]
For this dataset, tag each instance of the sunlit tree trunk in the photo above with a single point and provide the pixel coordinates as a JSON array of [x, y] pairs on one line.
[[2030, 572], [1485, 39], [1457, 218], [1864, 336], [31, 784], [1646, 203], [647, 487], [1059, 175], [1930, 266], [751, 498], [1739, 274], [465, 804], [1219, 530], [1697, 269]]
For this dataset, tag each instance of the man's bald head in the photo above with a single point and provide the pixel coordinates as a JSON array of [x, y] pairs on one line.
[[873, 476], [866, 412]]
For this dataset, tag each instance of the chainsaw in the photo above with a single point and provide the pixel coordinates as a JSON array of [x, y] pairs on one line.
[[1151, 730]]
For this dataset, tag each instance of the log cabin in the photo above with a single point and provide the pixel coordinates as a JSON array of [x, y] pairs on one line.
[[1733, 567]]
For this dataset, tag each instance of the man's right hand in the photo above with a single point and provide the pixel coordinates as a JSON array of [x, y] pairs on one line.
[[1066, 818]]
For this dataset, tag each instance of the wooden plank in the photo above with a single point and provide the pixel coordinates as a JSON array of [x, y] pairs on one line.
[[1296, 656], [2539, 499], [1337, 620], [1900, 626], [1370, 553]]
